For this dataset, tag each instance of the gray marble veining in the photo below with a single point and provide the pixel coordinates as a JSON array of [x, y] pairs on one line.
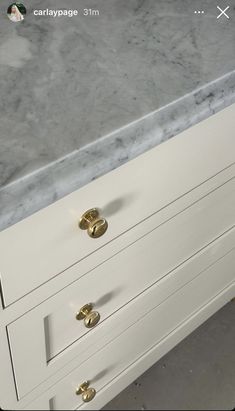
[[82, 95]]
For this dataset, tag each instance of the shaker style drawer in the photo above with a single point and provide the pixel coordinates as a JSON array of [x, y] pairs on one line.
[[47, 243], [114, 284], [157, 324]]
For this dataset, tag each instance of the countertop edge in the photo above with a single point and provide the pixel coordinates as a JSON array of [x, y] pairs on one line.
[[43, 187]]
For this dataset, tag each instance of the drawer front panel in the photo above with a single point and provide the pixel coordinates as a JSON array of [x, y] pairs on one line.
[[47, 243], [31, 327], [120, 279], [109, 362]]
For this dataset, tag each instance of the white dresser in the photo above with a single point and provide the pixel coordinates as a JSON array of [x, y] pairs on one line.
[[88, 304]]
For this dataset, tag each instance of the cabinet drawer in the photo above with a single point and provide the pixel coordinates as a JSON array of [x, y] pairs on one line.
[[47, 243], [48, 324], [124, 276], [149, 330]]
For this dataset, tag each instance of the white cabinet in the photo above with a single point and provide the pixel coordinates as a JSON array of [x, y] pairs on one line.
[[46, 244], [165, 264], [154, 325]]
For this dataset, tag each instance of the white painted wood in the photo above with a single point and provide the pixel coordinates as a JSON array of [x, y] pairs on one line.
[[28, 357], [7, 385], [120, 279], [153, 327], [144, 362], [123, 318], [126, 196], [152, 356], [69, 276], [41, 403]]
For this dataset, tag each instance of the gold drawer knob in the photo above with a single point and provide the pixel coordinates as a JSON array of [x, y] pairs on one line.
[[91, 318], [87, 393], [91, 221]]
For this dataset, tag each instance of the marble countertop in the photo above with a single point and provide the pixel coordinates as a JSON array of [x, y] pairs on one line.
[[82, 95]]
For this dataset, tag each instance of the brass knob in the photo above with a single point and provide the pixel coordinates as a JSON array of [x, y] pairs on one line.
[[88, 394], [91, 318], [91, 221]]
